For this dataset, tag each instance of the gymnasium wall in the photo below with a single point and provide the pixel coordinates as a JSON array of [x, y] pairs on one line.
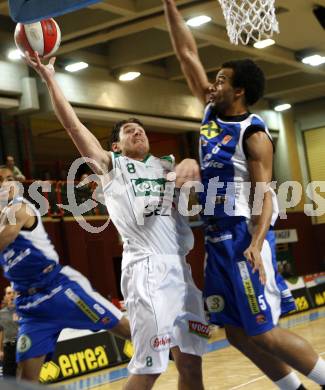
[[303, 135], [55, 155], [310, 115], [98, 89]]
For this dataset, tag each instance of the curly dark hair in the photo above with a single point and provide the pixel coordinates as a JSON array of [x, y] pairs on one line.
[[249, 76], [115, 135]]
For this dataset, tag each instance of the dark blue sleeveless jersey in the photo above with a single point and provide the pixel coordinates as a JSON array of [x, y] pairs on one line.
[[31, 260], [224, 166]]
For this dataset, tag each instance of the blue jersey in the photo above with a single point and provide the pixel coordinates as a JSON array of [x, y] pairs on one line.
[[224, 164], [46, 290], [30, 261]]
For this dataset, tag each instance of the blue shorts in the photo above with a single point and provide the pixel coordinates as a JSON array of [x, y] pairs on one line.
[[69, 302], [234, 295]]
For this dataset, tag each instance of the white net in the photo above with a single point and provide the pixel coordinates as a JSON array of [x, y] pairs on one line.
[[249, 19]]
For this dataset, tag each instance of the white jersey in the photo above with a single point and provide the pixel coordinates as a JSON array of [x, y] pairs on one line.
[[141, 205]]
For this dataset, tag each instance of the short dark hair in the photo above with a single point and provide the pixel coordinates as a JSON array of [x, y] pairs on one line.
[[115, 135], [249, 76]]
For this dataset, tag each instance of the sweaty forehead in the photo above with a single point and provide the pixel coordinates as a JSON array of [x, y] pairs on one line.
[[129, 126], [225, 73]]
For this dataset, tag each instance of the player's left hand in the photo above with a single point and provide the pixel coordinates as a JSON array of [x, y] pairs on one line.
[[253, 256], [187, 170], [46, 71]]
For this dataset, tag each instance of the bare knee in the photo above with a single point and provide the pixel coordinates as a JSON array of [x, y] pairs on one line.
[[190, 371], [279, 339], [237, 337], [267, 341], [24, 373], [189, 368], [233, 338]]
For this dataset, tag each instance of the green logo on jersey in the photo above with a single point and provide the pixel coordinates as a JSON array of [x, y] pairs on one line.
[[146, 187]]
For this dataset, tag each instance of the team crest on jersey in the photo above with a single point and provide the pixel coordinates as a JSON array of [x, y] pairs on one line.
[[226, 139], [210, 130], [146, 187]]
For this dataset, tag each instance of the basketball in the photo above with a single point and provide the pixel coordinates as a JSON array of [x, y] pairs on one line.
[[43, 37]]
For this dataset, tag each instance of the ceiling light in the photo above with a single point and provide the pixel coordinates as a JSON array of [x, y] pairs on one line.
[[76, 66], [264, 43], [198, 21], [14, 55], [129, 76], [282, 107], [314, 60]]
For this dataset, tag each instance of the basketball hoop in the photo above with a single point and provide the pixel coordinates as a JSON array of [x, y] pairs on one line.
[[249, 19]]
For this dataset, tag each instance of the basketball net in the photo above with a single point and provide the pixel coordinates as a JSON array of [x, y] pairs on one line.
[[249, 19]]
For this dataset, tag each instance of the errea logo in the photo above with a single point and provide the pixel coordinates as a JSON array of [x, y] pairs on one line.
[[146, 187]]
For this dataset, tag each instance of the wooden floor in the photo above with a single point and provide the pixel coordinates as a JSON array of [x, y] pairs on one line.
[[227, 369]]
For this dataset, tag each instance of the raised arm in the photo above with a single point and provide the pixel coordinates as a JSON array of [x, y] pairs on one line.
[[87, 144], [12, 220], [186, 52]]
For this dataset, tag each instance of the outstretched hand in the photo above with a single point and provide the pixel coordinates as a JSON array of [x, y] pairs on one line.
[[46, 71]]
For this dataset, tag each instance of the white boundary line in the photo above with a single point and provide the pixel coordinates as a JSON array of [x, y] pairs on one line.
[[257, 379], [247, 383]]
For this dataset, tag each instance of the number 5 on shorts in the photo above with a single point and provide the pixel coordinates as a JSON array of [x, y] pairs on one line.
[[262, 303]]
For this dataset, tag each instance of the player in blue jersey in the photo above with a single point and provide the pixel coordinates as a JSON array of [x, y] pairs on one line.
[[236, 154], [50, 297]]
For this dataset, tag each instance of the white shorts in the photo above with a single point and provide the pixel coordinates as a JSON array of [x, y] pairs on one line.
[[165, 310]]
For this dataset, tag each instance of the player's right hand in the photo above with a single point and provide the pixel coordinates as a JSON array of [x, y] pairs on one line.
[[45, 71], [187, 170], [253, 256]]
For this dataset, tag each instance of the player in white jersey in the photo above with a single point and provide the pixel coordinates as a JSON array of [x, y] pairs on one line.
[[164, 306], [235, 147]]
